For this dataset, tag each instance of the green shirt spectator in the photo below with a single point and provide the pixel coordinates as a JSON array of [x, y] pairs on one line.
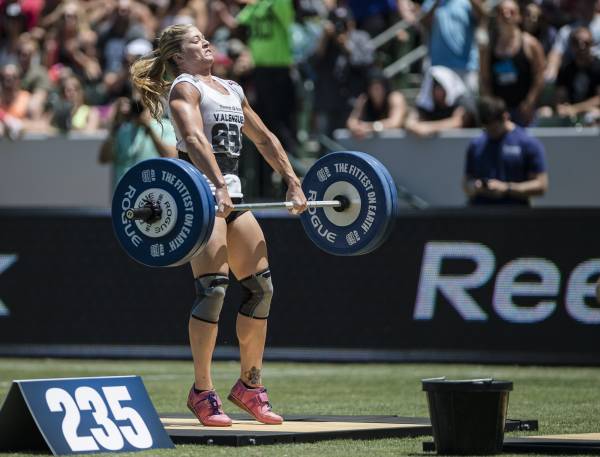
[[269, 22]]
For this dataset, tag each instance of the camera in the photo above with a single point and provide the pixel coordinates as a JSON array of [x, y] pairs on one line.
[[137, 108], [340, 26], [339, 17]]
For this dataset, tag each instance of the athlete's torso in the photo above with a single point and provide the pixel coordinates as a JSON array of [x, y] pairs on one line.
[[223, 119]]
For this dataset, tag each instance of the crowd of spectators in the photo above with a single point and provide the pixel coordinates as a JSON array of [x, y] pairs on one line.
[[309, 65]]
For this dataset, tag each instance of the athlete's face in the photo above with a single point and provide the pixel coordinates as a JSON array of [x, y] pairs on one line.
[[195, 49]]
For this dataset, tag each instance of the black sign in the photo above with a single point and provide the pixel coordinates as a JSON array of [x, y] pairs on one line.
[[498, 286]]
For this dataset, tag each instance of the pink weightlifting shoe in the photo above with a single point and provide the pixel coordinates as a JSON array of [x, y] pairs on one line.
[[255, 402], [206, 406]]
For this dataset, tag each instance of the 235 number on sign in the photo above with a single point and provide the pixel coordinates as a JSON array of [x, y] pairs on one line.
[[108, 435]]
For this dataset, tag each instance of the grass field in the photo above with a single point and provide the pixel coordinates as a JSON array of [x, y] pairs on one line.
[[564, 400]]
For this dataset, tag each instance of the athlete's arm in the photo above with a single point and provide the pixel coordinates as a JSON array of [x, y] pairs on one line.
[[184, 104]]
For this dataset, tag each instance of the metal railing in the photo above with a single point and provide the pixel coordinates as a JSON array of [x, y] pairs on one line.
[[405, 61]]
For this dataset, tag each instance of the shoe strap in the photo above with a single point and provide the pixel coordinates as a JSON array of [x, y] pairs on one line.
[[215, 403], [263, 399]]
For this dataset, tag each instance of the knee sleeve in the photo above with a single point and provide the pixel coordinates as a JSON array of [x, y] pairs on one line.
[[210, 294], [257, 291]]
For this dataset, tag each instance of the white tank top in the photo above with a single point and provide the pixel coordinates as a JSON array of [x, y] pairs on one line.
[[223, 120]]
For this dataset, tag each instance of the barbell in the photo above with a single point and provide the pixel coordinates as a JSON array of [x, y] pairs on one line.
[[163, 210]]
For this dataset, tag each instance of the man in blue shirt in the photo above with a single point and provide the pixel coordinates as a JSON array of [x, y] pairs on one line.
[[504, 166]]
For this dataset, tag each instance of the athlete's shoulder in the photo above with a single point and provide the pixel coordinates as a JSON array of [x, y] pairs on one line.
[[183, 77], [191, 89], [235, 87]]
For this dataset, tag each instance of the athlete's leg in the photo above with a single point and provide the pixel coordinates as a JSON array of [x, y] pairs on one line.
[[248, 256], [248, 261], [211, 261]]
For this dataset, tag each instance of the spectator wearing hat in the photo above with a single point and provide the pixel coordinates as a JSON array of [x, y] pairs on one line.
[[379, 108], [443, 103], [28, 10]]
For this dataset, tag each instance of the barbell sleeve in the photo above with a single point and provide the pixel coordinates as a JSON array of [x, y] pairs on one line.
[[143, 213]]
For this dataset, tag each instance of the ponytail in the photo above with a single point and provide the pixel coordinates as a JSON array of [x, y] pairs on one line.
[[152, 74], [148, 76]]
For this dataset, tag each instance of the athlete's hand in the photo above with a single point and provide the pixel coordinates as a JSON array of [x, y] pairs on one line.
[[296, 196], [224, 203]]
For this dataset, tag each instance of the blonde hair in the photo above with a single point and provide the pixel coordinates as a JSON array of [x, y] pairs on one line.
[[153, 74]]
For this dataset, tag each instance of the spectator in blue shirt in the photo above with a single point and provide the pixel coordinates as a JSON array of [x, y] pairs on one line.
[[504, 166], [451, 25]]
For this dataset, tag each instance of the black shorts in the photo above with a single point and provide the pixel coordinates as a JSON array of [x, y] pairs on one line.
[[234, 214], [227, 166]]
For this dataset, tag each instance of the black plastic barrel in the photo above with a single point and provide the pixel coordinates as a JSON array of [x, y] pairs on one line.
[[467, 416]]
